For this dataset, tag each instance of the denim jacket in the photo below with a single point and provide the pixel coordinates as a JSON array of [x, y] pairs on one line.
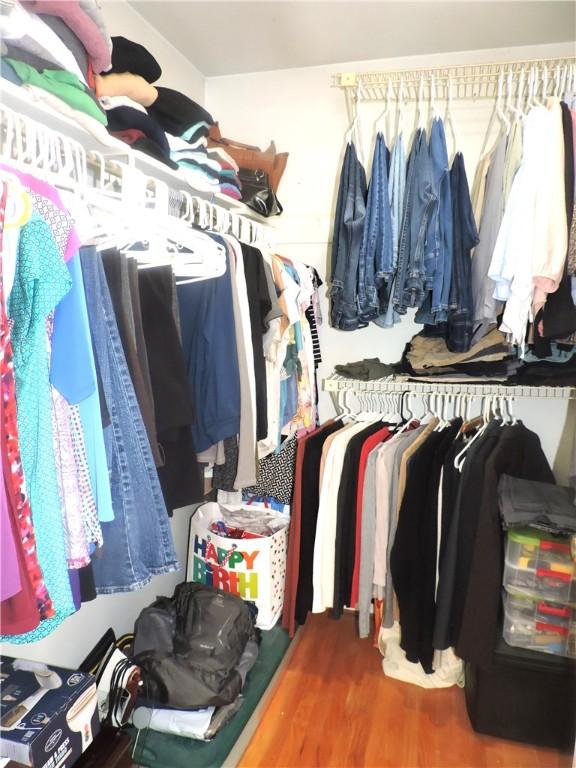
[[419, 205], [439, 246], [375, 261], [348, 229]]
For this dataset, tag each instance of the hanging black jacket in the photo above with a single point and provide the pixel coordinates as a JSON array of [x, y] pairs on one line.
[[517, 453]]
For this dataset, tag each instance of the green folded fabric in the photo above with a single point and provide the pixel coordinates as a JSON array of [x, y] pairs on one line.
[[365, 370], [65, 85]]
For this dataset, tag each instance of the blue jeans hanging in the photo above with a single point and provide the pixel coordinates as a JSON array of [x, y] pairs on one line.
[[138, 542]]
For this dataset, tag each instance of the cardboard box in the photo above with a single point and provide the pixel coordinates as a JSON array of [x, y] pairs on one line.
[[48, 715]]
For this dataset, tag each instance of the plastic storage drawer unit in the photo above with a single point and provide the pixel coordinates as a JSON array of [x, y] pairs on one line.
[[540, 566], [539, 625]]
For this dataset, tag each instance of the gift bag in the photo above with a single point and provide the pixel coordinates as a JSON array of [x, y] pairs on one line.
[[253, 567]]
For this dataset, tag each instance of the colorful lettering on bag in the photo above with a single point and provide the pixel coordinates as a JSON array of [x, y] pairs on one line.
[[222, 556], [248, 585], [244, 585], [199, 546]]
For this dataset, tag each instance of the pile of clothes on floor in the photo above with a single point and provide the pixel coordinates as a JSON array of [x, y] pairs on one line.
[[190, 656], [61, 53]]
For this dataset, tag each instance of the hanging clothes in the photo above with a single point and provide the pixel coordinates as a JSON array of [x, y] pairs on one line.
[[138, 541], [41, 281], [180, 474]]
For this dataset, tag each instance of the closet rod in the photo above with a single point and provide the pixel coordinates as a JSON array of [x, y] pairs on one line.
[[469, 81], [397, 385]]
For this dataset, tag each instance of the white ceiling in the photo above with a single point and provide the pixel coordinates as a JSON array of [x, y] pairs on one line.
[[223, 38]]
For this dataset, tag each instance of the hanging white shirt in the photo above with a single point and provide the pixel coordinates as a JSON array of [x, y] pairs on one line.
[[325, 541], [512, 265], [551, 231]]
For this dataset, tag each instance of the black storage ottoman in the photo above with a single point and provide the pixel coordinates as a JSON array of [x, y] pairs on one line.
[[525, 696]]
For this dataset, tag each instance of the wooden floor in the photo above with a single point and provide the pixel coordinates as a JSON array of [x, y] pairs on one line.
[[335, 707]]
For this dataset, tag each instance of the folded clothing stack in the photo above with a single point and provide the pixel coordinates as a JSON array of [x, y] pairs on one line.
[[229, 180], [55, 50], [546, 506], [62, 54], [429, 359], [192, 159]]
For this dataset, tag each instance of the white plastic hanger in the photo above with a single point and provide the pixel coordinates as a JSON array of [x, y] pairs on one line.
[[433, 112], [520, 93], [486, 415], [384, 115], [352, 132], [497, 113], [510, 106], [420, 117], [400, 110], [449, 120]]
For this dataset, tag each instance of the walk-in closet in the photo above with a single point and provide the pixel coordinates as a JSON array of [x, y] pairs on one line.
[[288, 384]]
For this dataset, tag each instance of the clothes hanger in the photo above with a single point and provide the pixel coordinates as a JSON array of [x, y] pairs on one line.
[[461, 457], [544, 85], [433, 115], [404, 401], [384, 115], [420, 118], [510, 106], [354, 129], [520, 94], [497, 113], [557, 81], [449, 120], [533, 88], [400, 110]]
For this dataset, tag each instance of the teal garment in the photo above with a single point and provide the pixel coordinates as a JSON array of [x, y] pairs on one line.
[[189, 132], [65, 85], [41, 281]]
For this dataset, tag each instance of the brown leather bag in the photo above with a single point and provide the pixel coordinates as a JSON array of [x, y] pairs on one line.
[[247, 156]]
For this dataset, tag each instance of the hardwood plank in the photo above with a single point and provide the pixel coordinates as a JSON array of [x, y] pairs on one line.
[[335, 708]]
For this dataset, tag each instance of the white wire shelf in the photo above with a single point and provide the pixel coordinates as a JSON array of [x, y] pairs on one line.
[[398, 385], [23, 104], [470, 81]]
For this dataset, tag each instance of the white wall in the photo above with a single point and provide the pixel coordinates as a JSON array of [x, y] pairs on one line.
[[304, 115], [177, 71]]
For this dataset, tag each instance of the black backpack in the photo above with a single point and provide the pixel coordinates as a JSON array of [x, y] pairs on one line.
[[195, 648]]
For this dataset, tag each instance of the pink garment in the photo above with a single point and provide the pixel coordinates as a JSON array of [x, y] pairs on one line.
[[71, 245], [10, 583], [85, 29]]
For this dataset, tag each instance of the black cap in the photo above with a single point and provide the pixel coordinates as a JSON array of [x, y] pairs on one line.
[[134, 58]]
